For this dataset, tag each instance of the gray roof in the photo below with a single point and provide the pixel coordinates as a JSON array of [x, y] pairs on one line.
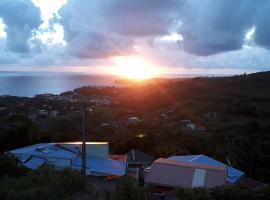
[[135, 156]]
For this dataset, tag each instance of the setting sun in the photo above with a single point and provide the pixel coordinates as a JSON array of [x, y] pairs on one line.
[[135, 67]]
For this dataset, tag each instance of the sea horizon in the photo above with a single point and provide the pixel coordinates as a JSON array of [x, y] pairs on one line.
[[31, 83]]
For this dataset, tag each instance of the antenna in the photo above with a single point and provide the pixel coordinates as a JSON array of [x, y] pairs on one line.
[[83, 169], [228, 161]]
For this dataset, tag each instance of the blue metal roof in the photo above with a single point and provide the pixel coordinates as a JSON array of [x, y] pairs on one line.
[[44, 150], [232, 176], [34, 163], [36, 155], [101, 165]]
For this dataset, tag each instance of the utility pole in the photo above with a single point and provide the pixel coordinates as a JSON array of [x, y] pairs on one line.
[[83, 169]]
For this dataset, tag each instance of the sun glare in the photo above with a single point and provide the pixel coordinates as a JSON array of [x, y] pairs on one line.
[[134, 67]]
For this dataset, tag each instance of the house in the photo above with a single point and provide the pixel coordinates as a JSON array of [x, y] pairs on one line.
[[54, 113], [3, 110], [134, 120], [138, 158], [105, 125], [111, 124], [212, 115], [33, 117], [137, 161], [163, 116], [232, 176], [61, 155], [169, 173], [188, 125], [42, 113]]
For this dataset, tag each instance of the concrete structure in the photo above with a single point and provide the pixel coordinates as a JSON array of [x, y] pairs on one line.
[[60, 155], [171, 173]]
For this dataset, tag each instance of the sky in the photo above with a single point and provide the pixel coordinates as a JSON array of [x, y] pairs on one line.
[[169, 36]]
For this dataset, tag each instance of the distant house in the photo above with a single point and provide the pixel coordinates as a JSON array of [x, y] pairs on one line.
[[105, 125], [54, 113], [89, 109], [164, 116], [3, 110], [232, 176], [42, 113], [33, 117], [212, 115], [111, 124], [188, 125], [134, 120], [60, 155], [170, 173]]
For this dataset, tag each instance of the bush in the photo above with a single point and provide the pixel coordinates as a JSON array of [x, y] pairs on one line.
[[44, 183], [10, 167], [128, 189], [232, 192]]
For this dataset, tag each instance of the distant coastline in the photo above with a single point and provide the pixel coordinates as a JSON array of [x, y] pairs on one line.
[[32, 83]]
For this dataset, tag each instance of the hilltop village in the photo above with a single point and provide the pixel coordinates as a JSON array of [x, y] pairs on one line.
[[151, 132]]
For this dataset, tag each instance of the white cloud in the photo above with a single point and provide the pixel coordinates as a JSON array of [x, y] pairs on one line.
[[177, 34], [3, 33]]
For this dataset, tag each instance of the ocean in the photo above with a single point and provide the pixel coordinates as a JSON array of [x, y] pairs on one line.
[[32, 83]]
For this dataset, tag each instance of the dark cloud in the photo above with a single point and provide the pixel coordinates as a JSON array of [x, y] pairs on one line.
[[213, 31], [106, 28], [262, 24], [142, 17], [20, 18], [207, 26], [211, 27], [97, 45]]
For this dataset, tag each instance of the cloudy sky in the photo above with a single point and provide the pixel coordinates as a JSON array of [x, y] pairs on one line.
[[177, 36]]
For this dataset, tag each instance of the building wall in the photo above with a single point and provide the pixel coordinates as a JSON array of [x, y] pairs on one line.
[[215, 178], [181, 176], [96, 149], [168, 175]]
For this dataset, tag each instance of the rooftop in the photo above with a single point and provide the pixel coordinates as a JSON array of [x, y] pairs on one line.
[[232, 174], [189, 164]]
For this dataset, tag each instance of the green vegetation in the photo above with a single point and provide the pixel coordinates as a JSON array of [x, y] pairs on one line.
[[238, 132], [128, 189], [45, 183], [222, 193], [16, 182]]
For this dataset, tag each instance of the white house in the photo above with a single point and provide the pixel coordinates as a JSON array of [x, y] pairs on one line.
[[188, 125], [134, 120]]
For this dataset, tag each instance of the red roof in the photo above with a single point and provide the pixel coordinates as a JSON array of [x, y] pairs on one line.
[[189, 164], [119, 157]]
